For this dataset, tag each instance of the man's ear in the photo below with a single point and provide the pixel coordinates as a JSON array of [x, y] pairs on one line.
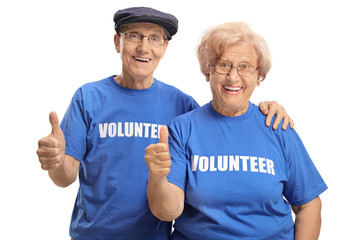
[[117, 42], [164, 48]]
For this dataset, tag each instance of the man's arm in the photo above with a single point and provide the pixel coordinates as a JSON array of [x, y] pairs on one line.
[[62, 168], [308, 220], [66, 173], [270, 108]]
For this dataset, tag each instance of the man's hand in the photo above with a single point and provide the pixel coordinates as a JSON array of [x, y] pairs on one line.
[[51, 150], [270, 108], [157, 156]]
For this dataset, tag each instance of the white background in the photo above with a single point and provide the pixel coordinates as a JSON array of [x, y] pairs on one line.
[[50, 48]]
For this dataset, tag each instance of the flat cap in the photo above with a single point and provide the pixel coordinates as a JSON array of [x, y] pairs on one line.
[[146, 15]]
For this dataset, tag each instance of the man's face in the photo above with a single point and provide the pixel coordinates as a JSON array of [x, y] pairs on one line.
[[139, 60]]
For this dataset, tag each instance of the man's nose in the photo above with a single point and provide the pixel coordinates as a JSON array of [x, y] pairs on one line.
[[144, 44]]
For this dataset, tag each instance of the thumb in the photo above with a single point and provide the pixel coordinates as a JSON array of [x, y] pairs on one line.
[[164, 135], [55, 127]]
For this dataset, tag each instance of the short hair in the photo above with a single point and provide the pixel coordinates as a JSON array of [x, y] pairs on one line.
[[216, 40]]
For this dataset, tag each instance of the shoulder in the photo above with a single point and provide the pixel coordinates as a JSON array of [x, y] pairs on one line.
[[257, 123], [184, 123], [257, 113], [260, 117], [98, 84], [162, 85], [182, 126], [170, 90], [190, 116], [171, 94], [94, 88]]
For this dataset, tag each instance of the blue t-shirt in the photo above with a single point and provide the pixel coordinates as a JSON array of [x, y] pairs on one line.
[[239, 176], [107, 128]]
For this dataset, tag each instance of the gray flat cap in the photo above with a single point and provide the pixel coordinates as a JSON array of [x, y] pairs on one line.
[[146, 15]]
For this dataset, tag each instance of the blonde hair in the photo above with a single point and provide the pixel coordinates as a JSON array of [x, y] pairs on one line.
[[215, 41]]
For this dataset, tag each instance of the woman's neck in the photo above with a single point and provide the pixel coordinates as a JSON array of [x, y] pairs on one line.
[[230, 112]]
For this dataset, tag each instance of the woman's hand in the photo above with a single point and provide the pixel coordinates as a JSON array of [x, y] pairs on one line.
[[166, 200], [157, 156]]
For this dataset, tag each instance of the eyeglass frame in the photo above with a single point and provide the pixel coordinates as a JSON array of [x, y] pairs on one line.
[[142, 36], [237, 69]]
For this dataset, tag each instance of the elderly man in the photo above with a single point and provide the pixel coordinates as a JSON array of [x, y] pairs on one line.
[[107, 127]]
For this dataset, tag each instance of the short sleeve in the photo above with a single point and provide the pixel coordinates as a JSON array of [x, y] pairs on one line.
[[193, 105], [304, 181], [74, 127]]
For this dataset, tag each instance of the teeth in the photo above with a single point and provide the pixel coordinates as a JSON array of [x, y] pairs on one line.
[[232, 88], [142, 59]]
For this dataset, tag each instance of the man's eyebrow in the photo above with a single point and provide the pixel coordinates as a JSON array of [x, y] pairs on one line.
[[134, 29]]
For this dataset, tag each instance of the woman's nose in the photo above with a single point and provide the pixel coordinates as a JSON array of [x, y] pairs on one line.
[[233, 75]]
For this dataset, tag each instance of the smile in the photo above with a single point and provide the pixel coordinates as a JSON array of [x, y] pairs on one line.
[[142, 59], [232, 88]]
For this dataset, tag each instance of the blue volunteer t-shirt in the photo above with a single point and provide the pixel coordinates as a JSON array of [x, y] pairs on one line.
[[236, 174], [107, 128]]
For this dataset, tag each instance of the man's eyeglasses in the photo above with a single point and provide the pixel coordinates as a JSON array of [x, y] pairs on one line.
[[136, 37], [243, 69]]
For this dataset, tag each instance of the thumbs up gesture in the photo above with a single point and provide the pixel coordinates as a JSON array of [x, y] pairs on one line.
[[51, 150], [157, 156]]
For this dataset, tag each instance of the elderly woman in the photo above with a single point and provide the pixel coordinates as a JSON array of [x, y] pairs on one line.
[[108, 125], [231, 177]]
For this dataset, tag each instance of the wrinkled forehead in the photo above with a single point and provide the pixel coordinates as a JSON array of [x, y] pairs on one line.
[[242, 49], [140, 27]]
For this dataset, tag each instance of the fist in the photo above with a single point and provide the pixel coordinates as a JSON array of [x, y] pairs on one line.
[[51, 150], [157, 156]]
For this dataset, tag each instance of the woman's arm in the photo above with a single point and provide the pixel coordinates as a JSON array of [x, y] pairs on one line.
[[308, 220], [166, 200]]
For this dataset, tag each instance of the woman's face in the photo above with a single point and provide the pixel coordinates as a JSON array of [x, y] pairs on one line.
[[140, 60], [231, 92]]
